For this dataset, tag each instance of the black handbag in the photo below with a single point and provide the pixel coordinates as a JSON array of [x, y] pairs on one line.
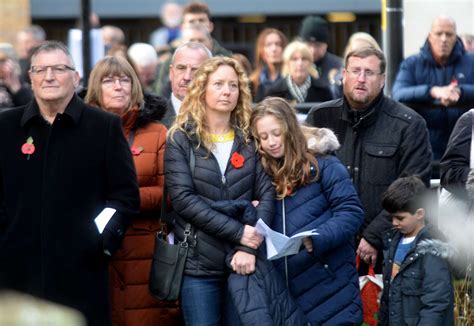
[[167, 267]]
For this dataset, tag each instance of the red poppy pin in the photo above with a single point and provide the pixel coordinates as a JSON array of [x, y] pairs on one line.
[[136, 150], [28, 148], [237, 160]]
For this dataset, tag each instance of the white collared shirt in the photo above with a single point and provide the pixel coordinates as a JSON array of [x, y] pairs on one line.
[[176, 103]]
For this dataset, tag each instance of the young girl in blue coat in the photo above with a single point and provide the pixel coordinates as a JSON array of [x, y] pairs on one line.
[[314, 191]]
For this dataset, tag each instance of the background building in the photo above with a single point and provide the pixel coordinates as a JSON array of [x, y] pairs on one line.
[[237, 22]]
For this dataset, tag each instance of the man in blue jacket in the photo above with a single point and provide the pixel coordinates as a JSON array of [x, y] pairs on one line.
[[438, 82]]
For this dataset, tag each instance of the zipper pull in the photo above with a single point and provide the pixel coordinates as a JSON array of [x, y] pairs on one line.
[[223, 180]]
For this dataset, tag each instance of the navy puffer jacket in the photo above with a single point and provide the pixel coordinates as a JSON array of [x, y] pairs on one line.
[[214, 233], [325, 282], [419, 73], [260, 298]]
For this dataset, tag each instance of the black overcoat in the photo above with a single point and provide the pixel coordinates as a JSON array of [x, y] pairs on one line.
[[49, 244]]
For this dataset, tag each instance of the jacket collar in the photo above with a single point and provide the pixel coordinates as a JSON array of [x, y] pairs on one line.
[[73, 111], [365, 118], [428, 232], [457, 52]]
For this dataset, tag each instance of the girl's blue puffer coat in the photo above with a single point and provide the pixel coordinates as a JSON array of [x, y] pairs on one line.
[[325, 282]]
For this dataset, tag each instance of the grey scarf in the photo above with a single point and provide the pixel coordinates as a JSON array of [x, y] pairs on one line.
[[298, 92]]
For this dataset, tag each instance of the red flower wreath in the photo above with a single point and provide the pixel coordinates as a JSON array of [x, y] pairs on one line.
[[237, 160], [136, 150], [28, 148]]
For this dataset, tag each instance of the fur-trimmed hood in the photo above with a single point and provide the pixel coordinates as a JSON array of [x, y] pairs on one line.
[[436, 247], [323, 141], [153, 110]]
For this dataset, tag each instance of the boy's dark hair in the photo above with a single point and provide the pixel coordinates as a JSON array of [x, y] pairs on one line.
[[405, 194], [197, 7]]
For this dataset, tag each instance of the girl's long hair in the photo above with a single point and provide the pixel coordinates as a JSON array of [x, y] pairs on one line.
[[298, 166], [192, 115]]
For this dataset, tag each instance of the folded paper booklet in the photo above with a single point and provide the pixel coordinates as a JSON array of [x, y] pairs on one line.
[[280, 245], [103, 218]]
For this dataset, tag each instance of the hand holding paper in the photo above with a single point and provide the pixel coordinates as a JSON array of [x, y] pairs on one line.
[[279, 245]]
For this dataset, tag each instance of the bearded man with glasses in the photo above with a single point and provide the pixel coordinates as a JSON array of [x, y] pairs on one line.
[[62, 163], [381, 140]]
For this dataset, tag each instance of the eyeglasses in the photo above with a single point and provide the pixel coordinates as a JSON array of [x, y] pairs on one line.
[[56, 69], [109, 82], [366, 73]]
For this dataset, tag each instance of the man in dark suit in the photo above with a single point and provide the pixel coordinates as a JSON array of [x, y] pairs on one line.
[[62, 163], [185, 61]]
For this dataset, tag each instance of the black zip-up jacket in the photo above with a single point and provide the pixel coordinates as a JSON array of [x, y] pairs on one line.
[[387, 141], [214, 233]]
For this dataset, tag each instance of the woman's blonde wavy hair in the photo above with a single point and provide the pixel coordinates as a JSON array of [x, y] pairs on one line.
[[192, 115], [293, 169]]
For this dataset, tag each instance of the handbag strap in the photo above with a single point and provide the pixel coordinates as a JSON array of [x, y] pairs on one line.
[[471, 160]]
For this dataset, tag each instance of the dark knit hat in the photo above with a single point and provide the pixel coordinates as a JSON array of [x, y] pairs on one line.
[[314, 29]]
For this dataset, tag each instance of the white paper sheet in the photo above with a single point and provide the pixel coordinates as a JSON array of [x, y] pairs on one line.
[[103, 218], [278, 244]]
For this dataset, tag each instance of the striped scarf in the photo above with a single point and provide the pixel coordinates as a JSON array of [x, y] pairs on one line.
[[299, 92]]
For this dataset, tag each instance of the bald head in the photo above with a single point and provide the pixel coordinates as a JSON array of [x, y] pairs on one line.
[[443, 19], [112, 35], [442, 38]]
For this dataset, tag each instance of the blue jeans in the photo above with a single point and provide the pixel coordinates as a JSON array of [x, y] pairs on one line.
[[205, 301]]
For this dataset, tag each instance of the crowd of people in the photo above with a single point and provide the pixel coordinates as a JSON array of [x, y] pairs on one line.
[[185, 117]]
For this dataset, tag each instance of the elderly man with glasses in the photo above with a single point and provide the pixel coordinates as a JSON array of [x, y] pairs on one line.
[[381, 140], [68, 190]]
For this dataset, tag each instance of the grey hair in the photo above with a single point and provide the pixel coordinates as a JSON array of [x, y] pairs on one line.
[[143, 54], [48, 46], [193, 46]]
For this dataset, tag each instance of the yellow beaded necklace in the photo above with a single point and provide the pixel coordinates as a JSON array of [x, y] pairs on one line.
[[220, 138]]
